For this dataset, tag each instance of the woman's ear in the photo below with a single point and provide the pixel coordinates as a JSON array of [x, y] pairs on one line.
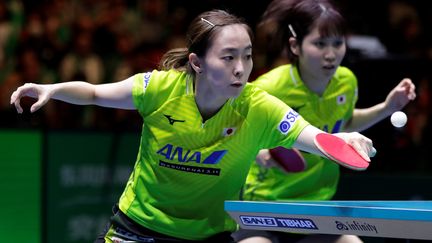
[[195, 62], [293, 45]]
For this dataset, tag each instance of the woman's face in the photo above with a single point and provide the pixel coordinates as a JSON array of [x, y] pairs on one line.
[[319, 57], [228, 61]]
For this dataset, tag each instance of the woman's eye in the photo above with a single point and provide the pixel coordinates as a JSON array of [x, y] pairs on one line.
[[320, 44], [228, 58], [338, 43]]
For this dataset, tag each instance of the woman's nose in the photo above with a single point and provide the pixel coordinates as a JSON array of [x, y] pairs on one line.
[[330, 54], [239, 69]]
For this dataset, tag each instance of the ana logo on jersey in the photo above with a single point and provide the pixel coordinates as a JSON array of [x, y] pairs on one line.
[[172, 120], [171, 152], [178, 154]]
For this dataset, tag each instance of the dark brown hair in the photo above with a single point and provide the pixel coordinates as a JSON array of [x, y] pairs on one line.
[[199, 35], [302, 16]]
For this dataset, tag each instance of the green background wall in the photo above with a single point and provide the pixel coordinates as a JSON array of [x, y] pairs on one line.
[[20, 186]]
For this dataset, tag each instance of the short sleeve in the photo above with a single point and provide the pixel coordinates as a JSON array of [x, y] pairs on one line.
[[140, 85], [279, 124]]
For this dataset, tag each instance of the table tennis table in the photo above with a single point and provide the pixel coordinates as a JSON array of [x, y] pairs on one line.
[[392, 219]]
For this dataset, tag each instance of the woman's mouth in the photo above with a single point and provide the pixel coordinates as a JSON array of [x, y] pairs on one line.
[[329, 67], [237, 84]]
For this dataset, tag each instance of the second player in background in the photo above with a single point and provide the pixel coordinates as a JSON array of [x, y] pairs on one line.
[[312, 36]]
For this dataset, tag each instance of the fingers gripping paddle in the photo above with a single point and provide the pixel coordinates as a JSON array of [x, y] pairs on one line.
[[290, 160], [338, 150]]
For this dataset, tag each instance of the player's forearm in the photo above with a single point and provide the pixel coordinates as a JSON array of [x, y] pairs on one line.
[[362, 119], [76, 92], [305, 140]]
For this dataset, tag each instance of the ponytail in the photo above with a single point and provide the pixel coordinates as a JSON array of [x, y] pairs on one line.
[[175, 59]]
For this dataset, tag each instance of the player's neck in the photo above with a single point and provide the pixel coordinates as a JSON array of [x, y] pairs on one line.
[[208, 103], [313, 82], [207, 109]]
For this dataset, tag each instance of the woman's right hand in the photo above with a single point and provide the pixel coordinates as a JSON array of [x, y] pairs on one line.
[[40, 92], [362, 144], [265, 159]]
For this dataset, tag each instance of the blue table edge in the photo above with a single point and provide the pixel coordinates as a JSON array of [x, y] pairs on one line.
[[387, 210]]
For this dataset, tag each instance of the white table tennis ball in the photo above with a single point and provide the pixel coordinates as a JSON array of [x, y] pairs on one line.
[[398, 119]]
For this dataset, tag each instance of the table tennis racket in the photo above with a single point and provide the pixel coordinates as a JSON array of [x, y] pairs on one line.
[[338, 150], [290, 160]]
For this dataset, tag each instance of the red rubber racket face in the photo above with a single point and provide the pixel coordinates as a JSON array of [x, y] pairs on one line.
[[342, 153], [290, 160]]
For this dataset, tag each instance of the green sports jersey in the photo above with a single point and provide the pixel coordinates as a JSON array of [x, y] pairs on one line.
[[328, 112], [185, 168]]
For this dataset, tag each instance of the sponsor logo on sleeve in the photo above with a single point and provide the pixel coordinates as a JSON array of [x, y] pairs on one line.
[[288, 121], [146, 80]]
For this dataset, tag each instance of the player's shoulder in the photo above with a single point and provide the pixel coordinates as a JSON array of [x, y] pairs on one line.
[[276, 73], [250, 92], [276, 80], [255, 98], [344, 72], [247, 97], [162, 81], [345, 75], [168, 77], [281, 68], [152, 89]]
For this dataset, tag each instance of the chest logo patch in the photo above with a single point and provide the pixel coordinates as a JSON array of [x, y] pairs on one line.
[[341, 99], [229, 131]]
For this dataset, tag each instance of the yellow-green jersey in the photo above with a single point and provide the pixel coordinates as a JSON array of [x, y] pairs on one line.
[[328, 112], [187, 168]]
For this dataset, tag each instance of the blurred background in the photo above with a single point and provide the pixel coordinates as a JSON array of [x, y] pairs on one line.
[[62, 168]]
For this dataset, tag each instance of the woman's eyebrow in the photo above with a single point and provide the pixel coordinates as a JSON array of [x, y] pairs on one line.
[[232, 49]]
